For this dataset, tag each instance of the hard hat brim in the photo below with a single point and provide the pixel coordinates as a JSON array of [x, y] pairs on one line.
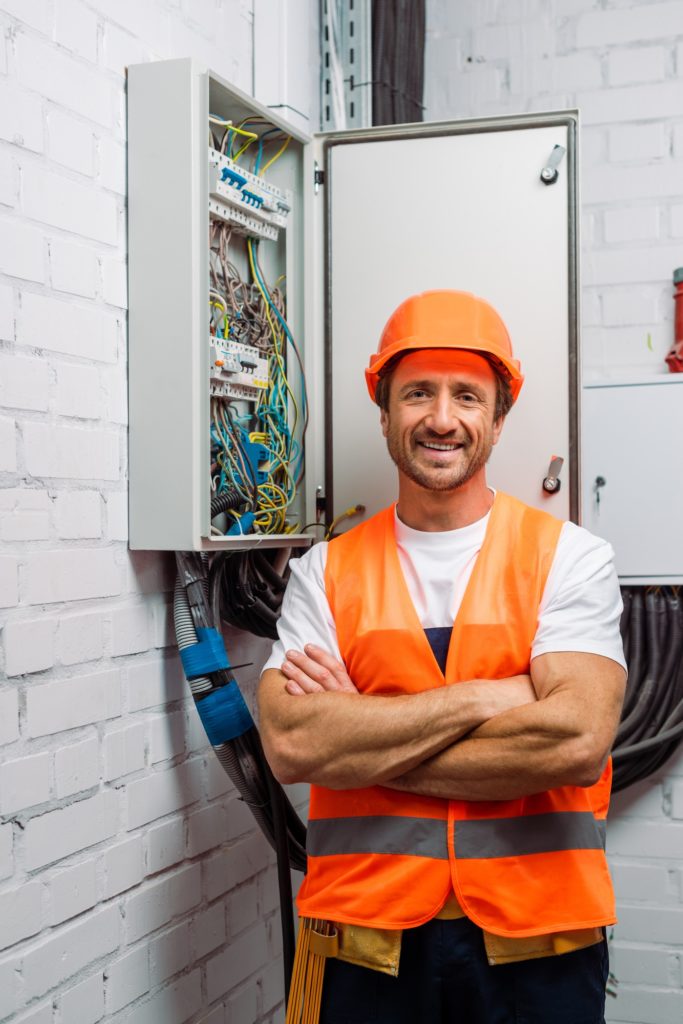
[[404, 345]]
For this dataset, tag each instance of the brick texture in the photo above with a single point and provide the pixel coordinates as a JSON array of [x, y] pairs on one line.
[[109, 811]]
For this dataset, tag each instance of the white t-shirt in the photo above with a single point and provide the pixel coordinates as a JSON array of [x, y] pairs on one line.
[[579, 611]]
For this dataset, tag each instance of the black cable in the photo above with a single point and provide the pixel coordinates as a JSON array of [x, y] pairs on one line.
[[246, 592], [652, 719], [224, 501], [398, 38], [283, 876], [634, 628]]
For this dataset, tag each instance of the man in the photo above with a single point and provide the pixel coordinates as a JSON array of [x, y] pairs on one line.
[[451, 687]]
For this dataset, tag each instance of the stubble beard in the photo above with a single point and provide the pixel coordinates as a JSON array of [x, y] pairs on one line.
[[446, 478]]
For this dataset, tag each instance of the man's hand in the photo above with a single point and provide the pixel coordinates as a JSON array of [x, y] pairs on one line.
[[315, 671]]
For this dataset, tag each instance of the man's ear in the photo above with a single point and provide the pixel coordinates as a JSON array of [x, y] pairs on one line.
[[384, 421], [497, 429]]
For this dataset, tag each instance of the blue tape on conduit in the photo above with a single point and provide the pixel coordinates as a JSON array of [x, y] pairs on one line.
[[206, 656], [224, 714]]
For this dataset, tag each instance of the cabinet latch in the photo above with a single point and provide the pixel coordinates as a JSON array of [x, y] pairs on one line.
[[552, 482], [550, 172]]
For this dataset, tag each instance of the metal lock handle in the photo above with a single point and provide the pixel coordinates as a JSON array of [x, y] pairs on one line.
[[552, 482], [550, 172]]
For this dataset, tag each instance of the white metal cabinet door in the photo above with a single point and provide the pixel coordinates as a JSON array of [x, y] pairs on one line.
[[465, 211], [630, 437]]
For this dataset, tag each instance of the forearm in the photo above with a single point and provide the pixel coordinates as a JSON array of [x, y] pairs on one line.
[[523, 751], [344, 740]]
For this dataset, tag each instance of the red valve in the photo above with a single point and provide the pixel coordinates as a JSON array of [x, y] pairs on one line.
[[674, 358]]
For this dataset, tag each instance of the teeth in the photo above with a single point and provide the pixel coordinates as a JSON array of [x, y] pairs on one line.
[[439, 447]]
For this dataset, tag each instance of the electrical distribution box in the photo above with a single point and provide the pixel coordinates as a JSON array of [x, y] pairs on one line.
[[242, 267], [632, 489]]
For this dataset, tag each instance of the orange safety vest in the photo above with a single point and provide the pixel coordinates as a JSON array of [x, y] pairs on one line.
[[386, 859]]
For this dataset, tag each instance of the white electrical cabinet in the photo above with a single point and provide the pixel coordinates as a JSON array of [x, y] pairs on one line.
[[632, 485], [363, 219], [204, 405]]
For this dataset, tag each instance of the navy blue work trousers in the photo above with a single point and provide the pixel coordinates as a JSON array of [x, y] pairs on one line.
[[445, 978]]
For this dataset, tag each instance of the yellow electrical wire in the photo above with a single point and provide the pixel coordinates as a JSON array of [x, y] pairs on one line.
[[354, 510], [224, 310], [232, 127], [277, 156]]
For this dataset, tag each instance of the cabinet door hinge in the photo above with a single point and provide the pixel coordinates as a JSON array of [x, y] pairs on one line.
[[318, 177]]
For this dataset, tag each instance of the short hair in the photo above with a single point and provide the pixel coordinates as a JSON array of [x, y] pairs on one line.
[[504, 399]]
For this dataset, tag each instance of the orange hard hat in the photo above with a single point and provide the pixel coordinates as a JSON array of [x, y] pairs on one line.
[[445, 319]]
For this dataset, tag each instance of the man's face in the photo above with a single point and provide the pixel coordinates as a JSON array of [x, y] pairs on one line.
[[440, 426]]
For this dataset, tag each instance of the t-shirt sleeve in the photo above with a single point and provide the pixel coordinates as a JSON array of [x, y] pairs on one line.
[[306, 617], [581, 606]]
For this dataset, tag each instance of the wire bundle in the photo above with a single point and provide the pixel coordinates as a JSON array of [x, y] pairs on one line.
[[246, 591], [233, 133], [256, 447], [229, 725], [651, 725], [398, 38]]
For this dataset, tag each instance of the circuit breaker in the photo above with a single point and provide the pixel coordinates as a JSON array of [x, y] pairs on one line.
[[263, 265]]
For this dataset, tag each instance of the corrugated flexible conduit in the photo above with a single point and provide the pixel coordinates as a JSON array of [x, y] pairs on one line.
[[230, 727]]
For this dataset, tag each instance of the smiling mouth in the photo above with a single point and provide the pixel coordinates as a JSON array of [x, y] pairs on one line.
[[436, 447]]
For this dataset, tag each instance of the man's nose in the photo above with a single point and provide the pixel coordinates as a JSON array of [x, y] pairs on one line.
[[442, 417]]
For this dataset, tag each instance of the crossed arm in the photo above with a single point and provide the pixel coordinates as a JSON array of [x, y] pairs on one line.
[[474, 740]]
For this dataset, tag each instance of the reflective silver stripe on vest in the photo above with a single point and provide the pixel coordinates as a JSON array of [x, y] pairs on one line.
[[533, 833], [414, 837]]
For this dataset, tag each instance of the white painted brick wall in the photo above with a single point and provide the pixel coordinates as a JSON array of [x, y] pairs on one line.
[[620, 62], [122, 844], [123, 866], [127, 979], [45, 964], [24, 514], [73, 268], [6, 851], [59, 325], [70, 703], [70, 142], [77, 767], [72, 891], [29, 645], [24, 782], [52, 836], [84, 1002], [165, 845], [80, 638], [123, 751]]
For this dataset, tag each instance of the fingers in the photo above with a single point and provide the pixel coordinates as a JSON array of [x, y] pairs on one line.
[[336, 670], [293, 688], [315, 671]]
